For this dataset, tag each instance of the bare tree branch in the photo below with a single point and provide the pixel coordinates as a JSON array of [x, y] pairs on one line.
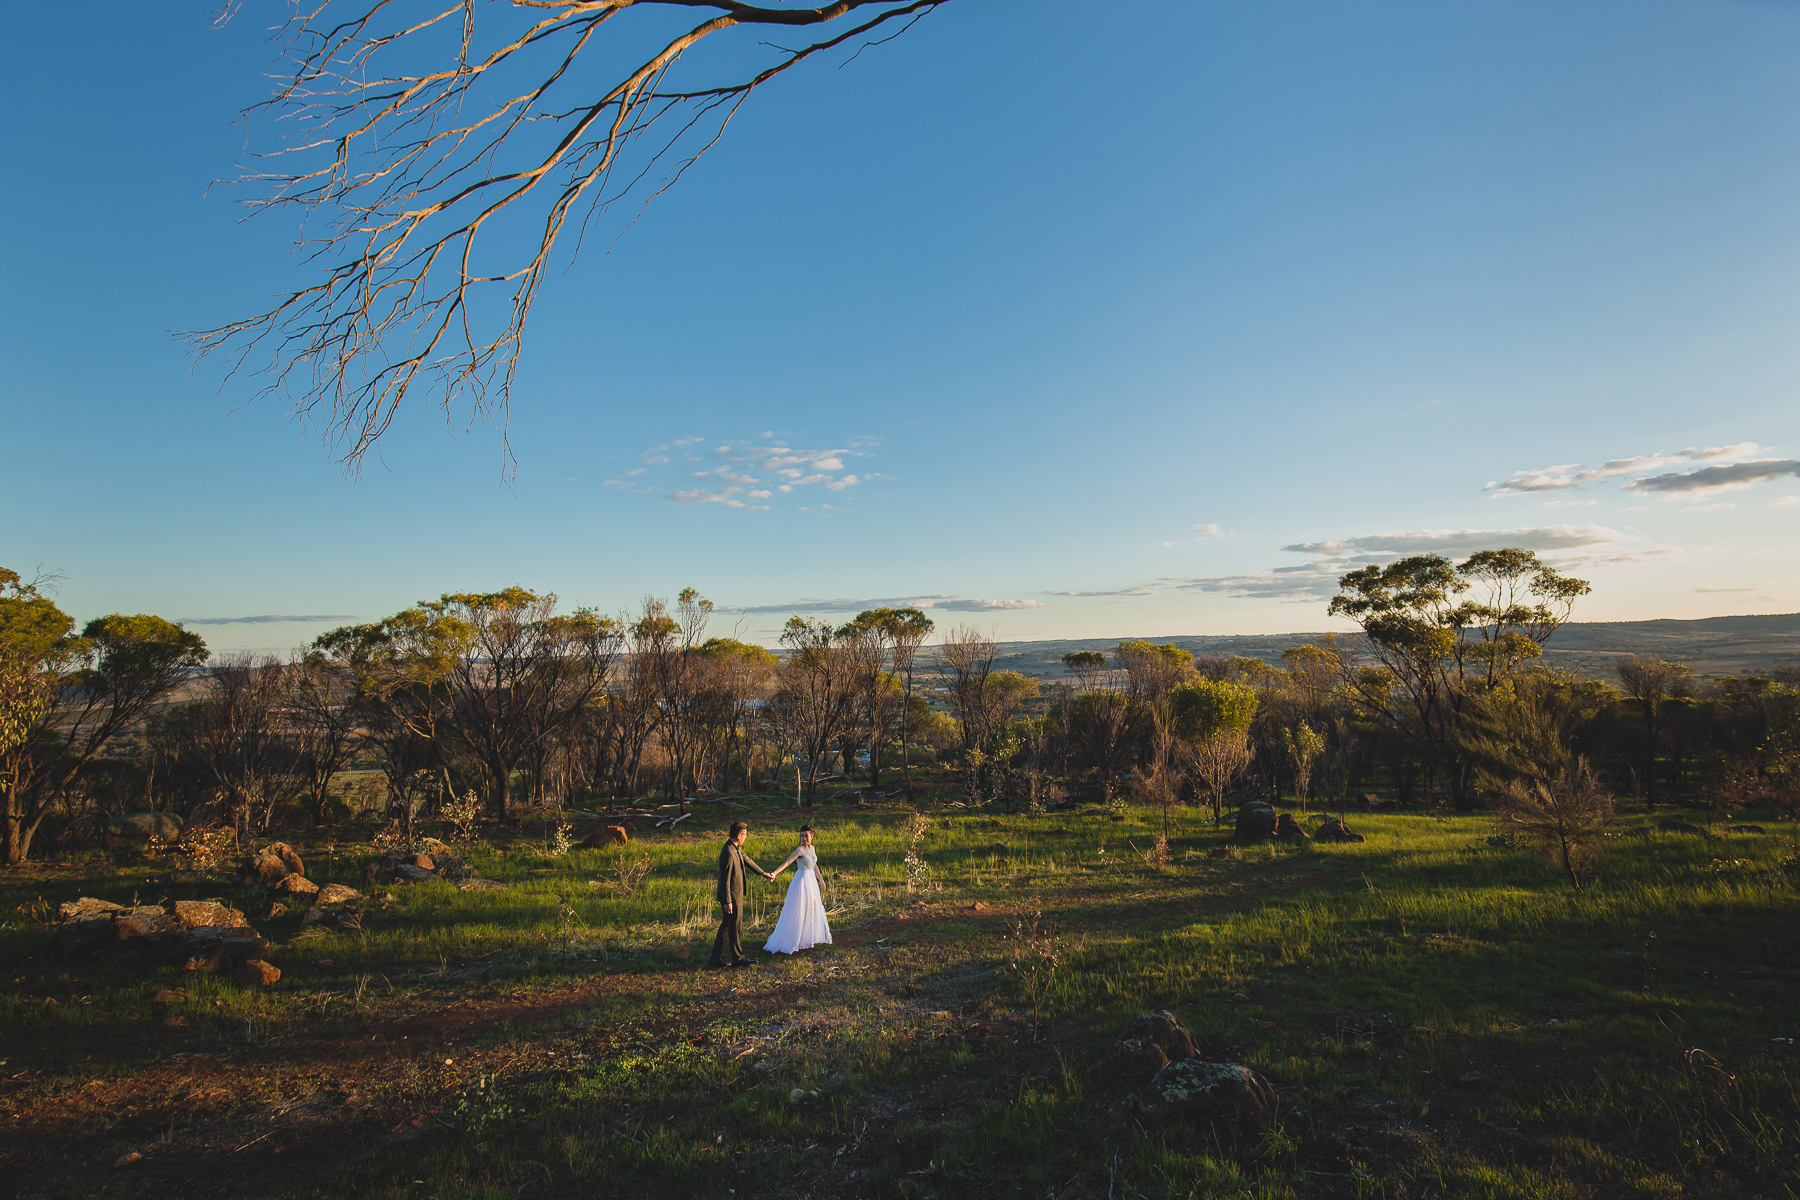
[[432, 138]]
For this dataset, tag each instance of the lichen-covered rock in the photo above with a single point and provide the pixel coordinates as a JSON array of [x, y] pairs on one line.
[[86, 907], [192, 914], [412, 873], [223, 948], [1147, 1045], [336, 893], [1255, 821], [135, 829], [1192, 1088], [146, 920], [296, 885]]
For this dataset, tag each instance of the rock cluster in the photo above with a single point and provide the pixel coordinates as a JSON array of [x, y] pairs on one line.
[[1333, 829], [1166, 1068], [203, 935], [435, 862]]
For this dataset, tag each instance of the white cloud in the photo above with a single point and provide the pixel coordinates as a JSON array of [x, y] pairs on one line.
[[1784, 501], [1566, 475], [735, 466], [1723, 506], [1748, 589], [1209, 531]]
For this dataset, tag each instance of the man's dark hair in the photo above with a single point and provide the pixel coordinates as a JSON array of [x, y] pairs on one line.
[[738, 827]]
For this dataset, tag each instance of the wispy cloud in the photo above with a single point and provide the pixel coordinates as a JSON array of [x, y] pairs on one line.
[[846, 604], [268, 619], [750, 475], [1567, 475], [1145, 590], [1686, 485], [1748, 589], [1209, 531], [1463, 541]]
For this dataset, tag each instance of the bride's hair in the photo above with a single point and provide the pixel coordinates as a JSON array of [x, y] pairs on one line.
[[807, 829]]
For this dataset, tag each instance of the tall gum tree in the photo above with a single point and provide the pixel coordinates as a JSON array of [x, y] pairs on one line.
[[1443, 634]]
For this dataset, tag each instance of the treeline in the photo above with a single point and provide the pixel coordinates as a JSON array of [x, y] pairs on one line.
[[477, 701]]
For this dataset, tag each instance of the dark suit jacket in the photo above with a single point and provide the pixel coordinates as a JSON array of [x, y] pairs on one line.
[[733, 863]]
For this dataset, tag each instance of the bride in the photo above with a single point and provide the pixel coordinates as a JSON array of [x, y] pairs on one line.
[[802, 922]]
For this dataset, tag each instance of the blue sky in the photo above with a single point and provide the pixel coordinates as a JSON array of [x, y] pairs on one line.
[[1149, 323]]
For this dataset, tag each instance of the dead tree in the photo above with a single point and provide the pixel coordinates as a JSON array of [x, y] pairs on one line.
[[444, 149]]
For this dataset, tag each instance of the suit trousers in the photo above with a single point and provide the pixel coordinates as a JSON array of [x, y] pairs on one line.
[[731, 937]]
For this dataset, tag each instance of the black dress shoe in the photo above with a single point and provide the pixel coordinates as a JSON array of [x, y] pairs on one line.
[[744, 962], [716, 965]]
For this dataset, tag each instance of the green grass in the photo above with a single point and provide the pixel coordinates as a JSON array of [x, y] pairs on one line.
[[1471, 1025]]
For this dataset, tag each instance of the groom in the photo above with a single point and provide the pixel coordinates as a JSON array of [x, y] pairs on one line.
[[732, 864]]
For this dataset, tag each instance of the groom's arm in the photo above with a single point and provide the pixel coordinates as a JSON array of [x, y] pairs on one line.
[[724, 890], [752, 864]]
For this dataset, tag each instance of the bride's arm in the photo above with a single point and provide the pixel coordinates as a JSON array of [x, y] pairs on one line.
[[790, 860]]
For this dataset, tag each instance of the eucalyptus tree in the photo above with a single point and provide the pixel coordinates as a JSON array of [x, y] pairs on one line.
[[323, 720], [738, 682], [905, 630], [1211, 721], [1443, 634], [1104, 713], [67, 696], [1652, 683], [817, 692]]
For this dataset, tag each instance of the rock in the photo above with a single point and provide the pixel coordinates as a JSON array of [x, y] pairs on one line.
[[1166, 1031], [174, 1022], [169, 996], [434, 848], [412, 874], [296, 885], [371, 875], [1147, 1045], [1221, 851], [336, 893], [222, 948], [1747, 829], [134, 829], [1370, 798], [1255, 821], [82, 937], [144, 921], [1334, 830], [256, 973], [1288, 828], [607, 835], [312, 917], [1207, 1090], [130, 1158], [477, 884], [1682, 827], [87, 906], [423, 861], [1240, 998], [289, 858], [276, 909], [191, 914]]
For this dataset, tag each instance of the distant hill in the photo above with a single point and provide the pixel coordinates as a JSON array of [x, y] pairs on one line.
[[1711, 646]]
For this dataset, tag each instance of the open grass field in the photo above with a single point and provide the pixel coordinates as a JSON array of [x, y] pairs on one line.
[[1448, 1011]]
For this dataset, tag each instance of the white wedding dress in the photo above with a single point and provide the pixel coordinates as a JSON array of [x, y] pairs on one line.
[[802, 922]]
